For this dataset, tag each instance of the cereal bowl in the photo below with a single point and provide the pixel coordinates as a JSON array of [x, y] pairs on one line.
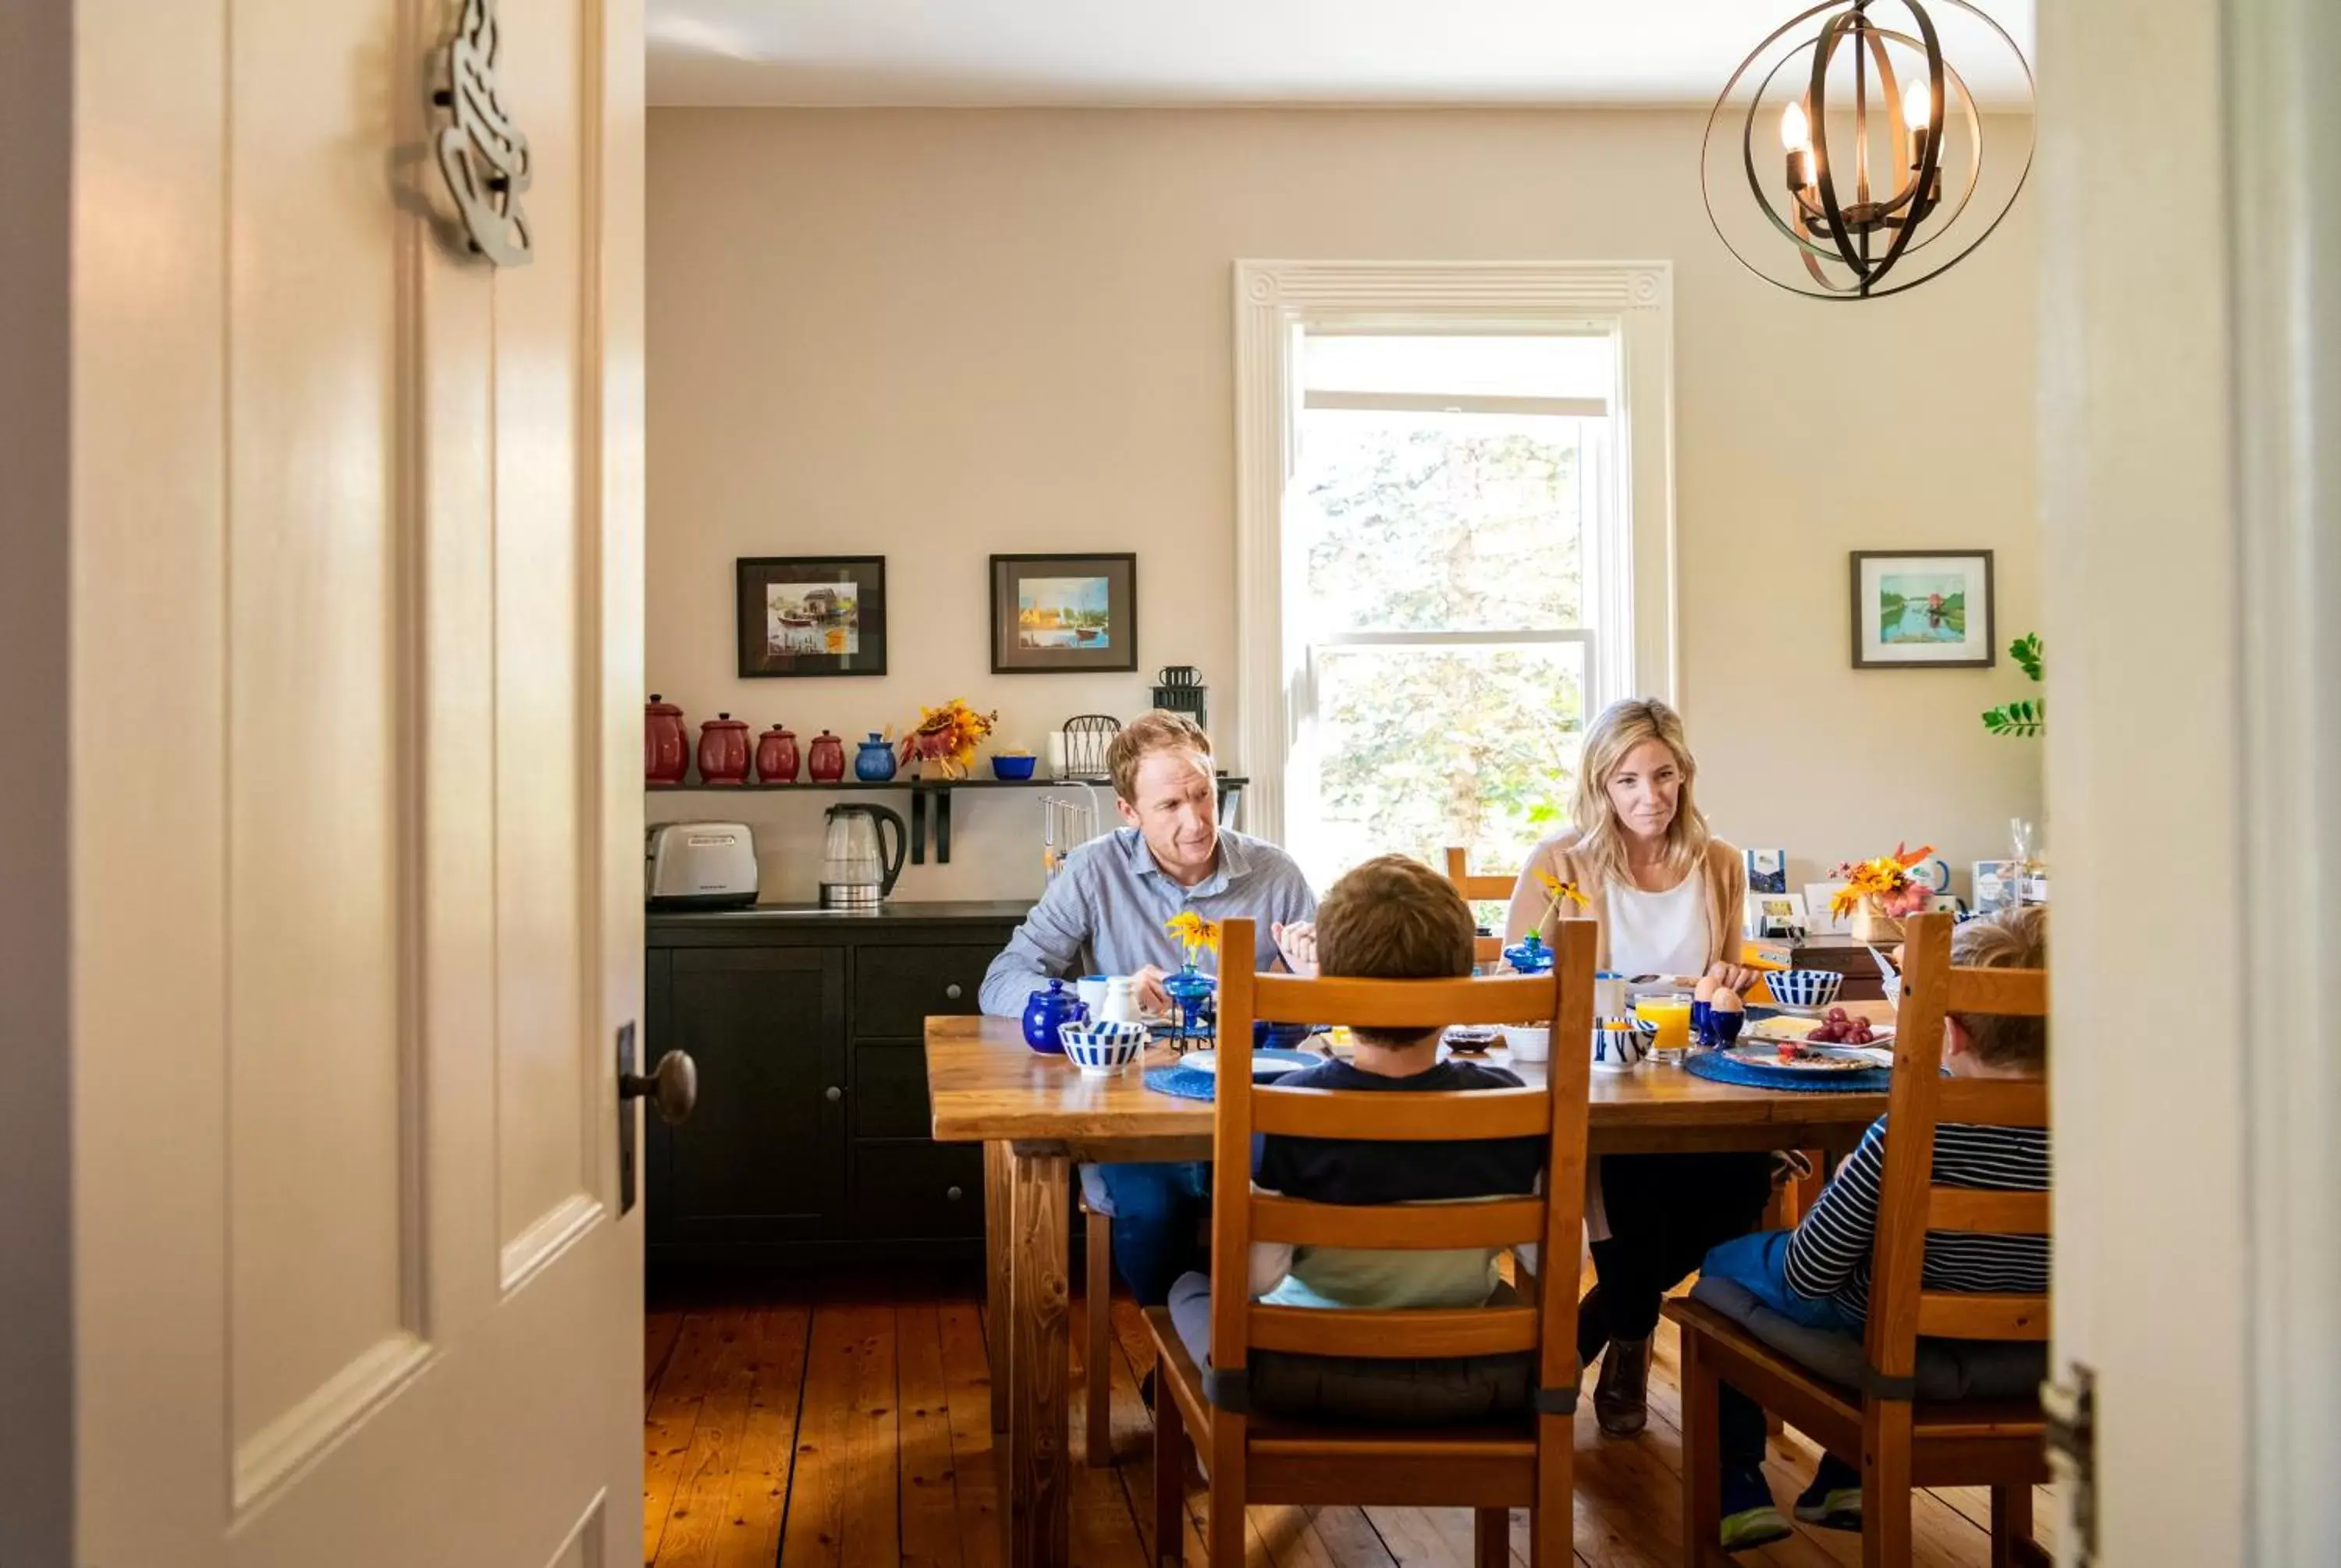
[[1103, 1049]]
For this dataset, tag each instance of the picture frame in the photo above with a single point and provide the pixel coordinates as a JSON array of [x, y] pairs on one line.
[[1825, 923], [810, 615], [1064, 614], [1916, 609], [1768, 871], [1780, 915]]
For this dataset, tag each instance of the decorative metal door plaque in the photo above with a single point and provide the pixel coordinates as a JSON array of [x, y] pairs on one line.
[[481, 151]]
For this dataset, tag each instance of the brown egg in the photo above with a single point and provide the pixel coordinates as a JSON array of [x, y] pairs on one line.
[[1707, 987], [1726, 1001]]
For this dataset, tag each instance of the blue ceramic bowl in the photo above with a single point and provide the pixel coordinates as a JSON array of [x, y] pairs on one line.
[[1805, 987], [1100, 1049], [1015, 767], [1268, 1037]]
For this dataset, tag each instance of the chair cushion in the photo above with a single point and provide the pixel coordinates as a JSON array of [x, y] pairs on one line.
[[1948, 1370], [1340, 1389]]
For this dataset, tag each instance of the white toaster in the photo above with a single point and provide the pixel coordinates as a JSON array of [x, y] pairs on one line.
[[700, 865]]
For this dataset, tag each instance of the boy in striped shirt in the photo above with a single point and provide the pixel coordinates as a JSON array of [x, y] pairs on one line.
[[1817, 1276]]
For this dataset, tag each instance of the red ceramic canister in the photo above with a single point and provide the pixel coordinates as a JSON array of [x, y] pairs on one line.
[[723, 750], [826, 760], [776, 756], [666, 742]]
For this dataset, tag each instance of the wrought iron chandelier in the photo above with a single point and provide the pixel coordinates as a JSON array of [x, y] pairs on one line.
[[1866, 134]]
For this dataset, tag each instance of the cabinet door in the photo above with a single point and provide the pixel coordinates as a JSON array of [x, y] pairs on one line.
[[762, 1160]]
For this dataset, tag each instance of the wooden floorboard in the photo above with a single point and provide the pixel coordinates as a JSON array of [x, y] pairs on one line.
[[671, 1416], [785, 1429]]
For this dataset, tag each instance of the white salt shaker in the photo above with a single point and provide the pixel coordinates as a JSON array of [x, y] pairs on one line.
[[1121, 1000]]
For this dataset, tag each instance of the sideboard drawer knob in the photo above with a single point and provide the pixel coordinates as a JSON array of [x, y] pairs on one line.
[[952, 991], [833, 1094], [953, 1194]]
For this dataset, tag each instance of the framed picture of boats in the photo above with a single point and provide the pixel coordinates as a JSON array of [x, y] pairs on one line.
[[1059, 614], [1923, 609], [811, 615]]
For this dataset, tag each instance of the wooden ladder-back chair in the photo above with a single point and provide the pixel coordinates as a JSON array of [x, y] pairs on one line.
[[1256, 1457], [1478, 889], [1899, 1444]]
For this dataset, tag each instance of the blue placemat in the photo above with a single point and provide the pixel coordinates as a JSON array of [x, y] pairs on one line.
[[1195, 1084], [1185, 1082], [1728, 1069]]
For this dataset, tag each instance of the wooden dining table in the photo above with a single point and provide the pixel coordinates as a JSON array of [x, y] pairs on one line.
[[1037, 1118]]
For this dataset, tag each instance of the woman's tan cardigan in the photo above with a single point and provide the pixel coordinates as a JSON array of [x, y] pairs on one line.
[[1727, 890]]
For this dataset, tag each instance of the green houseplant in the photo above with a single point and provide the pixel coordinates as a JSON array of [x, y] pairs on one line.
[[2029, 718]]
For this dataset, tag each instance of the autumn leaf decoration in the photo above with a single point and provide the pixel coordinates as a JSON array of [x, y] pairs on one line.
[[1559, 892], [1884, 881], [1195, 934], [949, 736]]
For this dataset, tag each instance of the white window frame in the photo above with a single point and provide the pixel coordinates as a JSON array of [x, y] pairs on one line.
[[1633, 546]]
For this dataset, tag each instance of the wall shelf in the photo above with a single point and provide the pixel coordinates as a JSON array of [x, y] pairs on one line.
[[937, 791]]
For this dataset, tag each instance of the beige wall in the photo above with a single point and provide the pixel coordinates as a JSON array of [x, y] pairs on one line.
[[937, 334]]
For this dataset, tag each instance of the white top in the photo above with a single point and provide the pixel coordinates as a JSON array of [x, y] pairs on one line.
[[1658, 933]]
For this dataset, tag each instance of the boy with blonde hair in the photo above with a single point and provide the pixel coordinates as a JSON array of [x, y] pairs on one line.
[[1815, 1279]]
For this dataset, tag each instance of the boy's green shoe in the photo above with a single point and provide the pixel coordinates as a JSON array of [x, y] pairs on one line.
[[1758, 1526], [1838, 1508]]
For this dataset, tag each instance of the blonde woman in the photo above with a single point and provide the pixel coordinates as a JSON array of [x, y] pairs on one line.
[[1668, 895]]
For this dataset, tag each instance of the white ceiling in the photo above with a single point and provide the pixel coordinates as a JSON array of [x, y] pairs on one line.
[[969, 53]]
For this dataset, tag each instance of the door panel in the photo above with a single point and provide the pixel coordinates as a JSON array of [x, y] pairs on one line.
[[542, 563], [760, 1160], [356, 618], [315, 911]]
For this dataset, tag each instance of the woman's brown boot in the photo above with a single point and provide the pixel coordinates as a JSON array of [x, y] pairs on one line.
[[1622, 1399]]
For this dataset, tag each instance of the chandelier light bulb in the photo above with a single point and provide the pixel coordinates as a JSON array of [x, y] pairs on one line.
[[1796, 136], [1917, 106]]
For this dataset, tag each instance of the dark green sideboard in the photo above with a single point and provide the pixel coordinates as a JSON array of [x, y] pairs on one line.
[[809, 1138]]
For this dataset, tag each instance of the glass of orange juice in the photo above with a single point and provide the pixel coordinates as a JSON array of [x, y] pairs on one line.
[[1670, 1016]]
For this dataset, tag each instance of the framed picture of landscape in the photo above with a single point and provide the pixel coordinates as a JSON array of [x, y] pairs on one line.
[[1057, 614], [1921, 608], [811, 615]]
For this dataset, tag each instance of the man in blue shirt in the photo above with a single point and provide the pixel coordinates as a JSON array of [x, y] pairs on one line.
[[1107, 912]]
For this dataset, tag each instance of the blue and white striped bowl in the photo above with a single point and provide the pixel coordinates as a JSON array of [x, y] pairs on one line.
[[1804, 988], [1103, 1049]]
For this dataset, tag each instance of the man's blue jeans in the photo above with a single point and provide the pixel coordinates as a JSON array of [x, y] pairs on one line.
[[1156, 1211], [1759, 1263]]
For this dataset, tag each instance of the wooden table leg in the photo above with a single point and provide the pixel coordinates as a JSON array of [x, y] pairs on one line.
[[1040, 1412], [999, 1226]]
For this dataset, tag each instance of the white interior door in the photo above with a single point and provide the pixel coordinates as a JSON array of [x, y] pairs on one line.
[[2192, 375], [355, 810]]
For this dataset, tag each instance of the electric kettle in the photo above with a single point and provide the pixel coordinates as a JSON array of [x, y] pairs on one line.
[[856, 873]]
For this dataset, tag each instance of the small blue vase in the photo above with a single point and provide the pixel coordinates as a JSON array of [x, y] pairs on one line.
[[1192, 995], [874, 762], [1531, 957]]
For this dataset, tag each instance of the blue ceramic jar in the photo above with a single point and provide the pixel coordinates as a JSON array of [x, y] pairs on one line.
[[874, 762], [1046, 1012]]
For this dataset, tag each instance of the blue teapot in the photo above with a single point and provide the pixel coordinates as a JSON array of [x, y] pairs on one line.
[[1046, 1012], [873, 763]]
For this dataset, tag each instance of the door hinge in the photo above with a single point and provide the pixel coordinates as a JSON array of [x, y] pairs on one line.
[[2069, 1405]]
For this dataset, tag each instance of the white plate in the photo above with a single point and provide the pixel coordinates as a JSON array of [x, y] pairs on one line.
[[1271, 1062], [1776, 1030]]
